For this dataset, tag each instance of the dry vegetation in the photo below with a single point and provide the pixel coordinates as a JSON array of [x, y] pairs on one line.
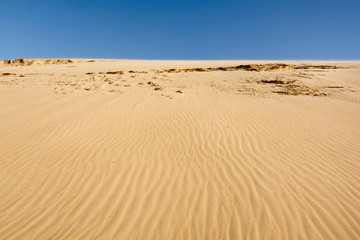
[[254, 67], [282, 84], [31, 62], [7, 74]]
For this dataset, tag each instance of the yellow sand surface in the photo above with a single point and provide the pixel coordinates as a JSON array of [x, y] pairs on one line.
[[125, 149]]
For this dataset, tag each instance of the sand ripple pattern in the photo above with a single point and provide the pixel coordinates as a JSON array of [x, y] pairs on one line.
[[119, 166]]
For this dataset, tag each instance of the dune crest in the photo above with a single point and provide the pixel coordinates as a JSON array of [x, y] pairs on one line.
[[35, 62]]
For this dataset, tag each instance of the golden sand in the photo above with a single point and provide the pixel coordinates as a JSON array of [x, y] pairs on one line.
[[120, 149]]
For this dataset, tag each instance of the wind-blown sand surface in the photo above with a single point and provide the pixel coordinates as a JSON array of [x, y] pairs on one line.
[[197, 152]]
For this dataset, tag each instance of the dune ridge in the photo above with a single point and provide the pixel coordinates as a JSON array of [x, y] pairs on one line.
[[34, 62], [123, 161]]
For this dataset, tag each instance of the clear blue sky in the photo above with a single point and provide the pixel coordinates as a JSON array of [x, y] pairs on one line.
[[168, 29]]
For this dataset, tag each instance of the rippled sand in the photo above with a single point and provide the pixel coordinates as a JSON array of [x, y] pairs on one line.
[[117, 149]]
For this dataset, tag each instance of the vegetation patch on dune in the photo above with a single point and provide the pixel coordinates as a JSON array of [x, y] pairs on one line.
[[30, 62], [254, 68]]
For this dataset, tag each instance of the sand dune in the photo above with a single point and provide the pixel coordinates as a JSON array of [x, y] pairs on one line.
[[118, 149], [31, 62]]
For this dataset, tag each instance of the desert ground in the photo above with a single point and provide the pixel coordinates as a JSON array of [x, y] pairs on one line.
[[139, 149]]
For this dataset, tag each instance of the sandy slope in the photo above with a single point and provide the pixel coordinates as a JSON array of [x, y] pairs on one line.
[[210, 155]]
